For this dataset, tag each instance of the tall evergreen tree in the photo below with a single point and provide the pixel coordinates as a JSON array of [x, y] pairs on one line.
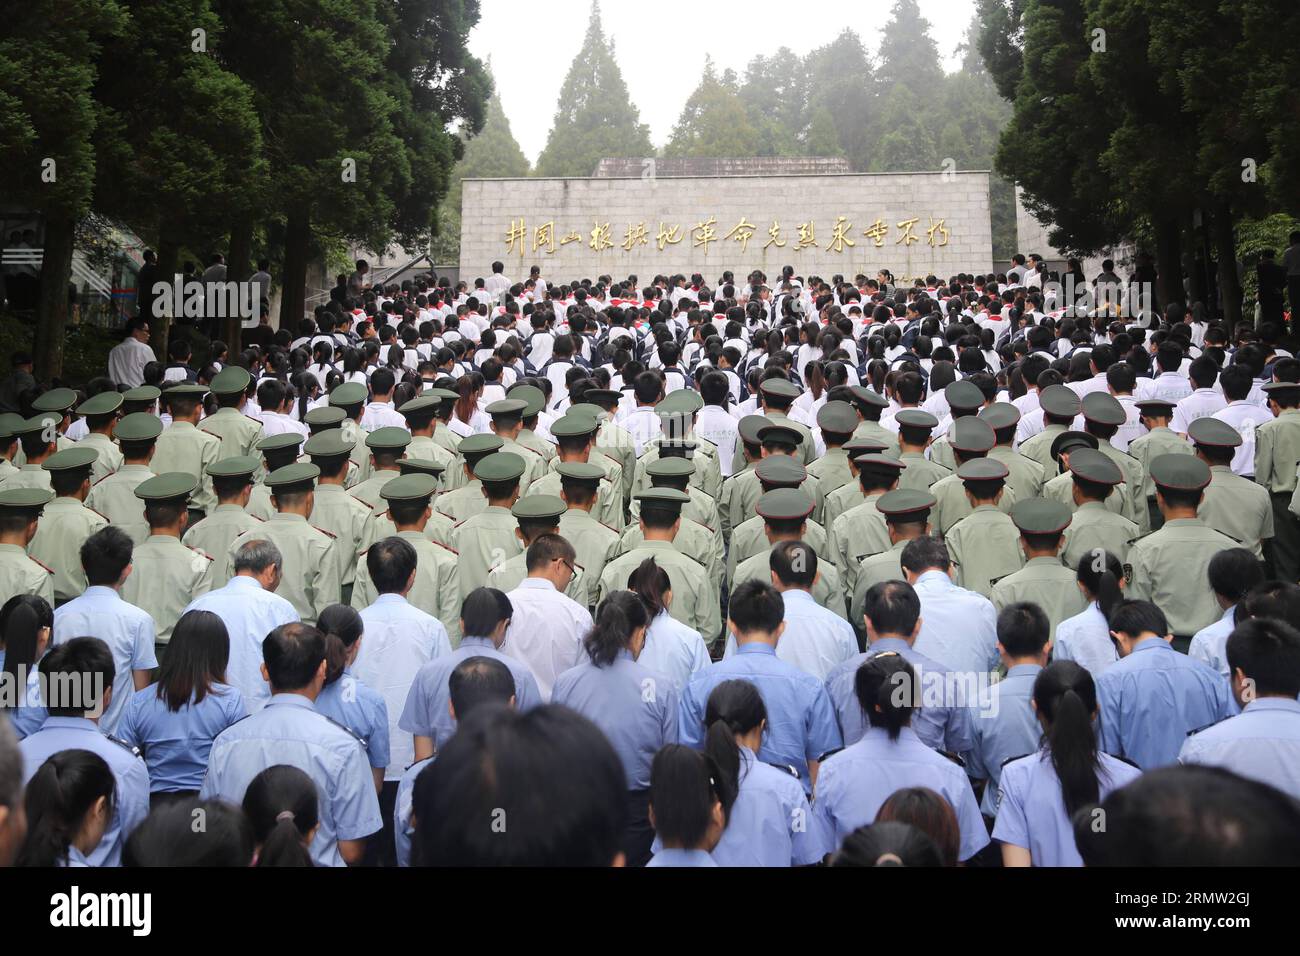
[[596, 117], [908, 54], [841, 81], [775, 94], [714, 122]]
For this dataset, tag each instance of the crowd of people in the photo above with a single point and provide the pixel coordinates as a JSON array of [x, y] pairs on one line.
[[757, 572]]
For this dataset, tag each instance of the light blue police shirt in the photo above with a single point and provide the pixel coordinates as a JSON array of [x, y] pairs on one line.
[[426, 713], [250, 612], [128, 631], [1153, 698], [175, 744], [815, 640], [944, 724], [131, 805], [635, 707], [1262, 743], [958, 627], [289, 730], [1031, 811], [854, 784], [361, 710], [28, 716], [1085, 639], [402, 829], [771, 822], [1005, 726], [682, 858], [673, 649], [800, 716], [1210, 644]]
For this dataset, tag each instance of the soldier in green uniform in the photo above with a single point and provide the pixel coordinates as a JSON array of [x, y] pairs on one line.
[[596, 544], [984, 545], [970, 439], [1060, 407], [750, 536], [385, 445], [56, 402], [37, 437], [185, 447], [1170, 567], [101, 416], [438, 528], [350, 398], [677, 472], [850, 495], [141, 399], [914, 430], [114, 496], [166, 574], [1025, 476], [9, 425], [907, 517], [325, 418], [1044, 580], [1095, 526], [437, 574], [693, 539], [784, 513], [575, 436], [278, 451], [1102, 417], [507, 421], [964, 401], [534, 400], [775, 440], [613, 439], [538, 515], [832, 470], [239, 434], [870, 405], [334, 510], [1232, 505], [232, 482], [677, 415], [776, 396], [310, 573], [750, 450], [860, 532], [20, 510], [67, 522], [443, 434], [487, 538], [1061, 488], [419, 415], [1155, 414], [468, 499], [695, 602], [1277, 450]]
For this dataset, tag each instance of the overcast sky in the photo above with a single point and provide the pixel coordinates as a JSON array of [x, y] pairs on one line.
[[533, 43]]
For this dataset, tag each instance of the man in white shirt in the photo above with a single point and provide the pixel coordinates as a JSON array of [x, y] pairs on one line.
[[547, 628], [380, 413], [127, 360], [1204, 401], [1242, 414], [1170, 385], [642, 423], [714, 422], [496, 283]]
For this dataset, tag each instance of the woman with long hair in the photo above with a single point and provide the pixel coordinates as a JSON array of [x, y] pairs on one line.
[[69, 804], [1039, 794], [344, 699], [671, 647], [690, 806], [635, 706], [175, 721], [1085, 638], [25, 627], [283, 808]]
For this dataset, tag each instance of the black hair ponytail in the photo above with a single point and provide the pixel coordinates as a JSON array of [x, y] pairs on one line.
[[878, 684], [735, 707], [650, 582], [21, 620], [281, 804], [1100, 572], [621, 613], [1067, 698], [59, 795], [342, 627], [684, 784]]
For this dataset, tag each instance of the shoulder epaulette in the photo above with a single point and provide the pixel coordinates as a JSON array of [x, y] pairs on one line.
[[443, 546], [255, 517], [200, 551], [329, 534], [1130, 762], [603, 525], [829, 753], [459, 523], [785, 768], [101, 478], [42, 564], [252, 419], [101, 514], [134, 751], [1009, 759], [953, 757], [213, 434], [351, 733]]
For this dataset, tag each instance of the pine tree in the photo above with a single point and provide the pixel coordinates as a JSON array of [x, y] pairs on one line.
[[714, 122]]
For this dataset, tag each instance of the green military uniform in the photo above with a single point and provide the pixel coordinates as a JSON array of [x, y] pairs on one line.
[[970, 436], [310, 577], [1061, 402], [437, 572], [215, 533], [774, 470], [1104, 409], [1234, 506], [904, 506], [534, 464], [109, 457], [438, 528], [1277, 450], [920, 473], [611, 438], [511, 572], [334, 509], [65, 525], [861, 531], [238, 432], [706, 475], [534, 400], [54, 404], [185, 448], [28, 475], [693, 540], [596, 544], [467, 500], [278, 451], [419, 411], [751, 538], [702, 508], [166, 575], [1095, 526], [19, 572], [1044, 581], [114, 496], [984, 545], [391, 440], [349, 399], [1025, 476], [486, 539], [609, 503], [1157, 441], [609, 499], [964, 401], [780, 388], [1170, 567]]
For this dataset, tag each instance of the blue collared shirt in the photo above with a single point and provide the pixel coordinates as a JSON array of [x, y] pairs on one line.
[[289, 730], [815, 640], [175, 744], [128, 631], [1262, 742], [425, 713], [1153, 698], [361, 710], [131, 804], [958, 627], [1005, 727], [1031, 811], [800, 716], [682, 858], [402, 809], [1210, 646], [771, 822], [673, 649], [854, 784], [250, 612], [1085, 639], [945, 725], [635, 707], [30, 713]]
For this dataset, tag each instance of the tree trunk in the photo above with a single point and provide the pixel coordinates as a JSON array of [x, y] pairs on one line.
[[1225, 241], [293, 296], [238, 269], [169, 260], [52, 310], [1169, 264]]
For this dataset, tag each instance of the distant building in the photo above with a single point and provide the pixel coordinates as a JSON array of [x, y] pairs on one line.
[[612, 168]]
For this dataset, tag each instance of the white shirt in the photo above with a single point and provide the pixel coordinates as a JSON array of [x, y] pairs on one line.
[[958, 627], [673, 649], [250, 612], [126, 362], [1170, 386], [495, 284], [1202, 403], [1209, 645], [399, 639], [546, 631], [716, 424], [1085, 639], [273, 423], [381, 415], [642, 423], [1244, 416], [815, 640]]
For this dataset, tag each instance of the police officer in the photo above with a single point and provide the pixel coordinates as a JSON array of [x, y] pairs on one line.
[[538, 515], [342, 514], [238, 432], [695, 602], [20, 510], [101, 415], [310, 577], [278, 451], [289, 730], [386, 445], [1025, 476], [232, 483], [596, 544], [420, 415], [914, 429], [1043, 580], [984, 545], [168, 575], [783, 513], [1169, 566], [575, 435], [907, 516], [185, 447], [488, 538], [1232, 505], [1060, 406], [1095, 526], [66, 522], [467, 500], [1277, 449]]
